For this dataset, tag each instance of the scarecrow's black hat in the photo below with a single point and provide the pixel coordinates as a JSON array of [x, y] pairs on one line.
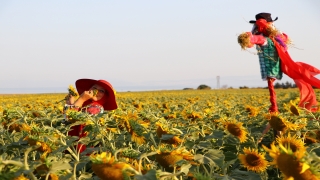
[[266, 16]]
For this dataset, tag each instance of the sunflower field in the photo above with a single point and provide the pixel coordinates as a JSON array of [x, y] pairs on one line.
[[165, 135]]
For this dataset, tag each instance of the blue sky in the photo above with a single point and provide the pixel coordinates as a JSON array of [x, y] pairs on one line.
[[141, 44]]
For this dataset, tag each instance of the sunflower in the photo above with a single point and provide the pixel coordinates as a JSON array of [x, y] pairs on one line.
[[290, 163], [192, 115], [43, 169], [105, 167], [136, 129], [207, 112], [309, 140], [165, 105], [236, 129], [312, 137], [253, 160], [171, 116], [134, 125], [167, 157], [137, 105], [36, 114], [293, 108], [44, 147], [292, 142], [279, 123], [253, 111], [139, 139], [167, 114], [73, 91], [21, 177], [18, 127], [53, 176], [162, 130]]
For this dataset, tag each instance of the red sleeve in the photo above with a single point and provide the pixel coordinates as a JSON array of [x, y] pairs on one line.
[[94, 110]]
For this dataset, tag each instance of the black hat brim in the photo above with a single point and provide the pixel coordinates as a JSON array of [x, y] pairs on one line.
[[252, 21]]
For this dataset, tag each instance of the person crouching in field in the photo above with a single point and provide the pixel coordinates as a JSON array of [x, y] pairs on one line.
[[95, 97]]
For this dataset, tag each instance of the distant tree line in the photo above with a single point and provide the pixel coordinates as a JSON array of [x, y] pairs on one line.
[[277, 85], [201, 87], [285, 85]]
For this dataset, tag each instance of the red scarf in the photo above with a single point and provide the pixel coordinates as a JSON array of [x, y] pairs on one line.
[[303, 75]]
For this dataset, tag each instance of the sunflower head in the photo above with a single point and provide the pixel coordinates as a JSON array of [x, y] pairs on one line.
[[136, 129], [139, 139], [236, 129], [73, 91], [253, 111], [194, 115], [165, 105], [163, 129], [293, 108], [137, 105], [253, 160], [103, 158], [17, 127], [277, 123], [160, 130], [21, 177], [290, 163], [310, 140], [43, 146], [167, 114], [292, 142], [114, 171], [312, 137], [167, 157]]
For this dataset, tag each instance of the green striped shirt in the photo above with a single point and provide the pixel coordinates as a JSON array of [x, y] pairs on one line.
[[269, 61]]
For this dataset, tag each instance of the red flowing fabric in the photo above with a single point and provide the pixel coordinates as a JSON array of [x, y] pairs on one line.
[[303, 75]]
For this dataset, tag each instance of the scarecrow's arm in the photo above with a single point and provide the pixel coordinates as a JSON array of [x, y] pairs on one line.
[[247, 40]]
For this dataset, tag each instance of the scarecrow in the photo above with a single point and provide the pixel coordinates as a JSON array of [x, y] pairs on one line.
[[274, 59]]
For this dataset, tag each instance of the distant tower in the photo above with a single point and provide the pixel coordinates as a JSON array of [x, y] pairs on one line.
[[218, 82]]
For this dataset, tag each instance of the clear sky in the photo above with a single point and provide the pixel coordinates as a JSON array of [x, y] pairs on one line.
[[143, 44]]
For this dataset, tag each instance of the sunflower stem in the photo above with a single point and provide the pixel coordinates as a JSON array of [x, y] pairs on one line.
[[116, 153], [16, 163], [75, 170], [205, 169], [47, 176], [72, 153], [26, 165]]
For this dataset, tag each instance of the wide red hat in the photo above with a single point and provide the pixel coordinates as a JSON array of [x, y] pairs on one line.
[[85, 84]]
